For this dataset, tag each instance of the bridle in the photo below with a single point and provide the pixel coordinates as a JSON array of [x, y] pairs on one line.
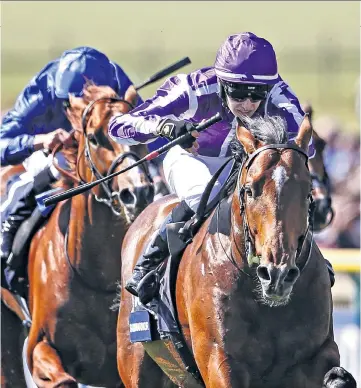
[[241, 190], [112, 198]]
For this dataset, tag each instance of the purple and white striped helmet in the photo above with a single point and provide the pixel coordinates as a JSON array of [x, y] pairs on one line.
[[247, 58]]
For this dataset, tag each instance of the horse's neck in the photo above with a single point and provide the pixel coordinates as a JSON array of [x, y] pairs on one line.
[[226, 228], [95, 236]]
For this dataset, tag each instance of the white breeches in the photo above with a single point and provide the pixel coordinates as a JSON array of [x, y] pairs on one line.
[[188, 175]]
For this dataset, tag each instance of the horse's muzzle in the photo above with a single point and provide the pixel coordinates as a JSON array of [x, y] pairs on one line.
[[277, 282], [136, 199]]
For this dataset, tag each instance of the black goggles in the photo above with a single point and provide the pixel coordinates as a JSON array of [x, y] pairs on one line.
[[242, 92]]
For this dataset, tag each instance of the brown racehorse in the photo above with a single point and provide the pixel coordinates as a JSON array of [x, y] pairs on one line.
[[73, 273], [252, 293]]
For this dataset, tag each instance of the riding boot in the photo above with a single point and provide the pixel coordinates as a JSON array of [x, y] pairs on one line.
[[157, 250], [9, 228], [24, 208]]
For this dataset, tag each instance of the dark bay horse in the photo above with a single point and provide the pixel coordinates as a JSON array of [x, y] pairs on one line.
[[252, 294], [74, 260]]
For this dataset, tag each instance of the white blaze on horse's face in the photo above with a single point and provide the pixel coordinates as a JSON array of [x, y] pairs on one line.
[[280, 177]]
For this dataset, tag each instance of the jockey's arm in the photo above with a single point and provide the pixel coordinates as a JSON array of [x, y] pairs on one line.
[[17, 136], [139, 126]]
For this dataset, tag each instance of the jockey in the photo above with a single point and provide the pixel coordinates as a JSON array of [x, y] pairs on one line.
[[243, 82], [38, 122]]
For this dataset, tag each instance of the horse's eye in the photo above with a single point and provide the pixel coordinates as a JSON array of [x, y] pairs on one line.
[[92, 139]]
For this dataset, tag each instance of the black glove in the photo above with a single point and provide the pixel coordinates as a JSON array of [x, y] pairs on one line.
[[172, 129]]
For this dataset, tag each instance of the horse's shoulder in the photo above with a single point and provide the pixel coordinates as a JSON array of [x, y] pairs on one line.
[[157, 210]]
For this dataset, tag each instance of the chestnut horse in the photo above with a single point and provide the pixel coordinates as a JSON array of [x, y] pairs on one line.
[[74, 260], [252, 294]]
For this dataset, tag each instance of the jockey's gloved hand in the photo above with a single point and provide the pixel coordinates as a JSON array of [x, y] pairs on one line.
[[172, 129]]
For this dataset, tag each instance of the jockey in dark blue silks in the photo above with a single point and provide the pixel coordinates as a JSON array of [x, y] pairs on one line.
[[244, 82], [38, 122]]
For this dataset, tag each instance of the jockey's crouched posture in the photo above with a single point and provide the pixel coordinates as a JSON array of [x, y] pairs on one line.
[[243, 82], [38, 122]]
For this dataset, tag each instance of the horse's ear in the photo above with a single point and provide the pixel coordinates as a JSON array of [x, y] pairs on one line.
[[304, 133], [245, 137], [308, 109], [131, 95]]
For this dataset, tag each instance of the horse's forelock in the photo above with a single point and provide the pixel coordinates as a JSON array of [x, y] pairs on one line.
[[270, 129]]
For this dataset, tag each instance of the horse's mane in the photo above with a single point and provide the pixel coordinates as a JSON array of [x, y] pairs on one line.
[[74, 114], [270, 130]]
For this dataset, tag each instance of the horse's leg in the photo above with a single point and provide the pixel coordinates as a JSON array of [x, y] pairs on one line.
[[48, 371], [151, 375], [225, 373], [12, 337], [136, 368], [320, 371]]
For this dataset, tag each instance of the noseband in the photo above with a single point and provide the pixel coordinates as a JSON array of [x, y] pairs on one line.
[[112, 198], [241, 189]]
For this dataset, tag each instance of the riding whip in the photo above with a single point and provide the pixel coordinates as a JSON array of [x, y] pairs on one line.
[[152, 155]]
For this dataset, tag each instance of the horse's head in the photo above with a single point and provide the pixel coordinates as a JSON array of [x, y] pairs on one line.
[[271, 206], [99, 155]]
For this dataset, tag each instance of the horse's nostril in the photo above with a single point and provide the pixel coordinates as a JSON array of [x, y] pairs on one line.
[[127, 197], [292, 275], [263, 274]]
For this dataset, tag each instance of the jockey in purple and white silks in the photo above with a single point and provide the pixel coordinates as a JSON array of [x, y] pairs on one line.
[[244, 82]]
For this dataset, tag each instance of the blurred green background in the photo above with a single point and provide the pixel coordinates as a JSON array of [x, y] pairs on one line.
[[317, 43]]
